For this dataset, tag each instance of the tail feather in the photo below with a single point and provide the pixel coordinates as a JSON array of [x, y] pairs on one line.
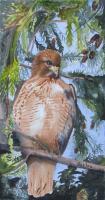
[[40, 177]]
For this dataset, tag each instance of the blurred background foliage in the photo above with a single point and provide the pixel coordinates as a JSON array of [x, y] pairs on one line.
[[77, 30]]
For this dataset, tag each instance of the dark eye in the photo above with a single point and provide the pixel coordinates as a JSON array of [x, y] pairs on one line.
[[49, 62]]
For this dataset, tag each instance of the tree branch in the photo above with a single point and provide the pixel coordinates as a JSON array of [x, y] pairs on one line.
[[57, 158], [80, 77], [25, 66], [62, 160]]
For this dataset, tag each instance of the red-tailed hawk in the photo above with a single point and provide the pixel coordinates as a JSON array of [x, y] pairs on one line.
[[46, 110]]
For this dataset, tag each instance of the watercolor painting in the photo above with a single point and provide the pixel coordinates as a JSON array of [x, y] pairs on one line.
[[52, 99]]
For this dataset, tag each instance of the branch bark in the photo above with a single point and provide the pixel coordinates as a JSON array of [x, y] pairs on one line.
[[82, 77], [63, 160], [58, 158], [25, 66]]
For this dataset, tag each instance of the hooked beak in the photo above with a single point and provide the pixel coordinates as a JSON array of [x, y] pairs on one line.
[[55, 70]]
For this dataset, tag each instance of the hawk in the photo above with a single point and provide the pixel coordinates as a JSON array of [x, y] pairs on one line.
[[45, 109]]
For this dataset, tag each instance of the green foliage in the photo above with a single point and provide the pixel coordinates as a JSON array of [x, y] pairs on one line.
[[73, 182], [9, 78], [95, 26], [20, 16], [24, 39], [92, 93], [70, 14], [19, 20], [81, 136], [56, 4], [8, 163], [11, 161]]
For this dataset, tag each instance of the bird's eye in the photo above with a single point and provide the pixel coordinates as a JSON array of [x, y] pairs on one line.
[[49, 62]]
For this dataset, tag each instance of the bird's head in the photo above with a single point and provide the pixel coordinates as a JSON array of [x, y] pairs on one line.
[[46, 63]]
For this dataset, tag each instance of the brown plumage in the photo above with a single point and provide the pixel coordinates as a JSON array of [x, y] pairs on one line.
[[45, 109]]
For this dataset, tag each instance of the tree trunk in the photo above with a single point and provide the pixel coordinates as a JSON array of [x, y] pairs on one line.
[[4, 148]]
